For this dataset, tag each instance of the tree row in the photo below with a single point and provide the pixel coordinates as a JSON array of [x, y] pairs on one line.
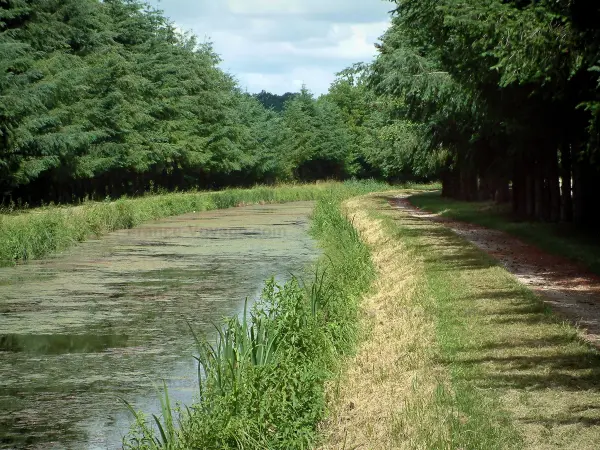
[[108, 98], [504, 93]]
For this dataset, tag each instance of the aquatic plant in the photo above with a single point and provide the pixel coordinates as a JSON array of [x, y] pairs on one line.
[[35, 233], [262, 378]]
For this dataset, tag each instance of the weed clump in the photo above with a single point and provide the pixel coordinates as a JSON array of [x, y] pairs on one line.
[[262, 381]]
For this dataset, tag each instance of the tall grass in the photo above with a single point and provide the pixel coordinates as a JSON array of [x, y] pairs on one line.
[[261, 382], [33, 234]]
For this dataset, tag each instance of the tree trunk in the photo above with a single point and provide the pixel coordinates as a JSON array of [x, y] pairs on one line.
[[501, 191], [538, 193], [586, 201], [578, 195], [554, 187], [484, 188], [468, 185], [451, 183], [530, 196], [519, 189], [447, 183], [566, 176]]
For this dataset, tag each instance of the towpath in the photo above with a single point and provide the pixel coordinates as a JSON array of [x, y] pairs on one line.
[[565, 286]]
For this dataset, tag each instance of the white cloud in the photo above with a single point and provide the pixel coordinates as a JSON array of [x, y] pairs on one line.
[[339, 10], [260, 7], [355, 42], [279, 45], [316, 80]]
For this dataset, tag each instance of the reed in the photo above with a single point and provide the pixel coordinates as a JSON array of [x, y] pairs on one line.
[[262, 378], [27, 234]]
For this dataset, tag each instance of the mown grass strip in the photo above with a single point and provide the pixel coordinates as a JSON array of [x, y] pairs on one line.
[[398, 392], [507, 351], [468, 416], [392, 363], [459, 355], [520, 376], [263, 379], [33, 234], [560, 239]]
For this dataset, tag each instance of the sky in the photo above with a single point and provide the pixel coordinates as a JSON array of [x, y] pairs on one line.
[[279, 45]]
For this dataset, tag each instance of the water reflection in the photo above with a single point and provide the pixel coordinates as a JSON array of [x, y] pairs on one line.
[[109, 318]]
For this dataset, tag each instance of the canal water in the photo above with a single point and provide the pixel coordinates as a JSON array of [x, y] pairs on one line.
[[108, 320]]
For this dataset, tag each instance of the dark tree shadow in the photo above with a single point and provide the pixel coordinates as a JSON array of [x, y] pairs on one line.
[[556, 361]]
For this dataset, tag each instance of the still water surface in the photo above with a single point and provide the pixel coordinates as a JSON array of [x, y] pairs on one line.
[[107, 319]]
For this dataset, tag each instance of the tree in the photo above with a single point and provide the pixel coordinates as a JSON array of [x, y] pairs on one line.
[[504, 88], [385, 142], [106, 98], [319, 143], [274, 101]]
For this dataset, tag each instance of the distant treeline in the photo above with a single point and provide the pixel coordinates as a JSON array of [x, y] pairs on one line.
[[274, 101], [105, 98]]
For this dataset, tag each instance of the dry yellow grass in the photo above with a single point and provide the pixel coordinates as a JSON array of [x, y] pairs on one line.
[[384, 397], [457, 354]]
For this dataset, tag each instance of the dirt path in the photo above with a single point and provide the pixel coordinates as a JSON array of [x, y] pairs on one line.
[[565, 286]]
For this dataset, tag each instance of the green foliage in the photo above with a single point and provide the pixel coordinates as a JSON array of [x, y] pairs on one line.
[[499, 90], [385, 141], [105, 98], [33, 234], [272, 101], [262, 379], [318, 142], [109, 98]]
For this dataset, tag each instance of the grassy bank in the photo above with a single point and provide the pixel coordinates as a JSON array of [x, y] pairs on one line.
[[33, 234], [560, 239], [460, 355], [263, 380]]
